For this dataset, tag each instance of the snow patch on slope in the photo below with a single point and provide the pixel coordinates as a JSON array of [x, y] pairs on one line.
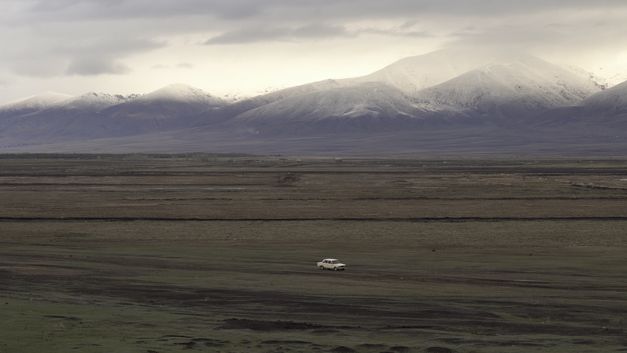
[[94, 101]]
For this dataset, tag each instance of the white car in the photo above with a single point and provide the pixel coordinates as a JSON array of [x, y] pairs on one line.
[[331, 264]]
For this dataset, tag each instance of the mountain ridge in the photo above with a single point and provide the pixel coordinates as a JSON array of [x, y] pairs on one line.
[[473, 98]]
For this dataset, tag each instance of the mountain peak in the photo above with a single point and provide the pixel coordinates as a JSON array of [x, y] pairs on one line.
[[94, 100], [41, 101], [181, 93], [509, 85], [414, 73]]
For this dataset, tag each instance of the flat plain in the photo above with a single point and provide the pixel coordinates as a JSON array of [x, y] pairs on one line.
[[216, 253]]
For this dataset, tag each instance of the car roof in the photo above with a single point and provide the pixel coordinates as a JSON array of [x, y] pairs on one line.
[[329, 260]]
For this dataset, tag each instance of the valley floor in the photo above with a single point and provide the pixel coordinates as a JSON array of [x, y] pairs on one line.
[[214, 253]]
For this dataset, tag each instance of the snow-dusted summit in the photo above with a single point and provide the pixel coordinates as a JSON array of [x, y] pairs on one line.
[[172, 107], [101, 115], [510, 86], [416, 73], [446, 84], [331, 109], [183, 94], [39, 102], [93, 101]]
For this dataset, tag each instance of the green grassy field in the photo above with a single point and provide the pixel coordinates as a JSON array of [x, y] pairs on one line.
[[217, 254]]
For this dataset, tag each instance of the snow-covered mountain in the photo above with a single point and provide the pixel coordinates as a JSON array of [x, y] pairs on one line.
[[332, 109], [183, 94], [92, 102], [450, 85], [514, 87], [171, 107], [416, 73], [95, 115], [76, 117], [407, 75], [32, 104], [449, 97]]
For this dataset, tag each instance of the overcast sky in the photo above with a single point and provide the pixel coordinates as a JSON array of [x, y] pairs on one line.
[[247, 46]]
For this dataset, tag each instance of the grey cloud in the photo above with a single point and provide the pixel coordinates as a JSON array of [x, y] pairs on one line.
[[54, 10], [52, 6], [33, 66], [47, 57], [87, 66], [47, 38], [250, 35], [108, 46], [103, 57], [295, 9], [244, 21], [547, 36], [249, 21]]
